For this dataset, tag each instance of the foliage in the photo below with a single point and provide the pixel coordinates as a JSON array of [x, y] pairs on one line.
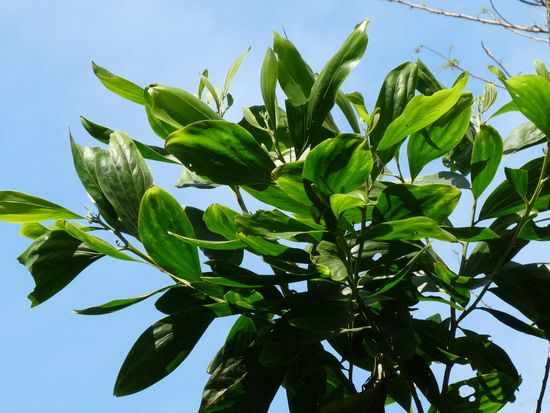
[[346, 237]]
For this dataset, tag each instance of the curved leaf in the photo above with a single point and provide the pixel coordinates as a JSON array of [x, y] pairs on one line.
[[160, 214], [119, 85], [223, 152], [486, 156], [522, 137], [268, 83], [409, 229], [117, 305], [19, 207]]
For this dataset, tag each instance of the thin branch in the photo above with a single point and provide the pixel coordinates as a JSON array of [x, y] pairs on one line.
[[533, 3], [494, 59], [493, 22], [544, 382]]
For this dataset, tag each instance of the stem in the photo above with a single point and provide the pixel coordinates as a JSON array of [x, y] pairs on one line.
[[416, 399], [544, 382], [239, 197]]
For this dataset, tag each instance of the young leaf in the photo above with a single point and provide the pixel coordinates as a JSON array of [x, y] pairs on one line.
[[124, 178], [160, 349], [54, 260], [421, 111], [160, 214], [486, 156], [339, 165], [326, 85], [233, 69], [268, 83], [19, 207], [347, 109], [33, 230], [177, 107], [119, 85], [223, 152], [542, 70], [531, 93], [488, 98]]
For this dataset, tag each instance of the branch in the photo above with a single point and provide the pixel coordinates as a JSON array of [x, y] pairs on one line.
[[544, 382], [494, 59], [493, 22]]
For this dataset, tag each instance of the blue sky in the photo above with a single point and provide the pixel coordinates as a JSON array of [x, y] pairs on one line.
[[55, 361]]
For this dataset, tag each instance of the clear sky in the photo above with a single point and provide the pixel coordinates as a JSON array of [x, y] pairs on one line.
[[55, 361]]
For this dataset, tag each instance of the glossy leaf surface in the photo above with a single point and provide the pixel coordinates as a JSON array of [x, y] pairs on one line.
[[21, 208]]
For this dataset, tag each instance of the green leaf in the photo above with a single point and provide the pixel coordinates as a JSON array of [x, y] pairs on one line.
[[223, 152], [295, 76], [20, 208], [532, 232], [85, 163], [239, 339], [409, 229], [233, 69], [95, 130], [160, 349], [506, 108], [289, 178], [522, 137], [123, 180], [268, 83], [54, 260], [504, 200], [189, 178], [33, 230], [347, 109], [326, 85], [518, 178], [241, 383], [211, 89], [472, 234], [489, 96], [404, 201], [160, 214], [213, 245], [486, 156], [340, 203], [445, 178], [330, 261], [420, 112], [119, 85], [531, 93], [426, 83], [515, 323], [339, 165], [541, 69], [93, 242], [358, 101], [117, 305], [221, 220], [439, 138], [275, 196], [177, 107]]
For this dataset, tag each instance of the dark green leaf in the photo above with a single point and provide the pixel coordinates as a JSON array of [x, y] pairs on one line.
[[439, 138], [347, 109], [532, 232], [239, 339], [221, 220], [19, 207], [330, 261], [531, 93], [472, 234], [426, 83], [409, 229], [420, 112], [275, 196], [119, 85], [268, 83], [189, 178], [117, 305], [518, 179], [326, 85], [177, 107], [514, 322], [404, 201], [124, 177], [54, 260], [223, 152], [444, 177], [486, 156], [339, 165], [159, 215], [160, 349], [522, 137]]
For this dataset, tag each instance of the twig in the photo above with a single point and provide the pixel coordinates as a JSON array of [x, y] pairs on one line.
[[494, 59], [544, 382], [493, 22], [239, 197]]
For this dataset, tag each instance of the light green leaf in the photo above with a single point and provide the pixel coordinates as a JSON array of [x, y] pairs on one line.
[[421, 111], [289, 178], [223, 152], [339, 165], [221, 220], [123, 177], [177, 107], [233, 69], [93, 242], [119, 85], [409, 229], [439, 138], [212, 245], [444, 177], [326, 85], [20, 208], [268, 83], [54, 260], [160, 214], [330, 261], [33, 230], [531, 93], [522, 137], [211, 89], [340, 203], [486, 156]]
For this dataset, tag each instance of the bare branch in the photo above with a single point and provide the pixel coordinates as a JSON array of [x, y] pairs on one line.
[[494, 59], [533, 3], [544, 382], [494, 22]]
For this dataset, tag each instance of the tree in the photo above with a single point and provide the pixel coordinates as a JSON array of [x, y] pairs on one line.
[[348, 238]]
